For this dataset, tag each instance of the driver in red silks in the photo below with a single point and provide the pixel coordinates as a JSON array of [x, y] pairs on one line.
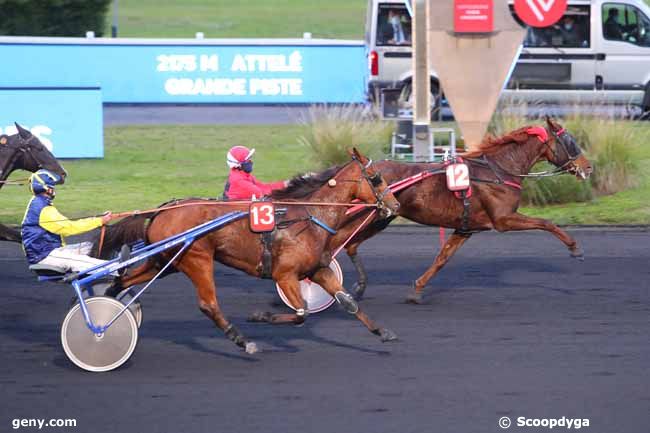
[[241, 184]]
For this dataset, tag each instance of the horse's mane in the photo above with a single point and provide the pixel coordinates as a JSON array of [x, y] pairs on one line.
[[491, 144], [303, 185]]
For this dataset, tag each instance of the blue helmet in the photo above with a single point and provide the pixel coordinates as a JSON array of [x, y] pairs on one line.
[[43, 180]]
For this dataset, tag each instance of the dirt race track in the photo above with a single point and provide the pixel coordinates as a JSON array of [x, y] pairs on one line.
[[513, 327]]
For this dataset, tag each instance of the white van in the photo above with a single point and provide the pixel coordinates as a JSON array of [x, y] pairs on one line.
[[598, 52]]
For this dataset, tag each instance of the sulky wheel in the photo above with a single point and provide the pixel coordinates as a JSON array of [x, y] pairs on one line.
[[316, 297], [124, 297], [103, 352]]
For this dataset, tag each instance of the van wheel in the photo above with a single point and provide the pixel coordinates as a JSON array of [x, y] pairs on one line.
[[406, 98]]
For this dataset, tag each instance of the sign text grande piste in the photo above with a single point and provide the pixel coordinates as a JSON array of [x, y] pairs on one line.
[[276, 70]]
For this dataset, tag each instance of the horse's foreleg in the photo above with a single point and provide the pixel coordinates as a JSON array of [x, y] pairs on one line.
[[327, 279], [291, 288], [199, 268], [519, 222], [359, 287], [362, 282], [455, 241]]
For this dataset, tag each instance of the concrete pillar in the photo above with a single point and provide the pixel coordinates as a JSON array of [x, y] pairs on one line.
[[421, 82]]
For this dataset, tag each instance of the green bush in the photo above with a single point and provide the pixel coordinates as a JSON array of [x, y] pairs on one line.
[[333, 129], [554, 190], [609, 146], [52, 17]]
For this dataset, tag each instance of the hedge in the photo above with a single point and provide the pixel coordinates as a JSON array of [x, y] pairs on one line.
[[52, 17]]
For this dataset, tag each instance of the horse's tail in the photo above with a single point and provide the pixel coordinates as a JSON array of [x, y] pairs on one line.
[[129, 230]]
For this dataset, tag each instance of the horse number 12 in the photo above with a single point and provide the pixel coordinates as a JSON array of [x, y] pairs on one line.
[[457, 177]]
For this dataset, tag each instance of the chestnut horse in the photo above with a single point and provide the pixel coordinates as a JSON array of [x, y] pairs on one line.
[[23, 151], [299, 247], [496, 170]]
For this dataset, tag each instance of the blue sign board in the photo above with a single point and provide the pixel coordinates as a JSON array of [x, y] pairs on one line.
[[67, 121], [202, 73]]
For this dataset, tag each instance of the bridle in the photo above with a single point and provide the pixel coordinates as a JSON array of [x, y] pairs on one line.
[[25, 147], [18, 151], [568, 145], [373, 181]]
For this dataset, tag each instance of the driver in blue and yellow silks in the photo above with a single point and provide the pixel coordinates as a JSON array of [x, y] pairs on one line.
[[44, 229]]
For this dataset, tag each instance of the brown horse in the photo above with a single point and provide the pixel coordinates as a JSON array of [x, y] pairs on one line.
[[23, 151], [496, 170], [299, 247]]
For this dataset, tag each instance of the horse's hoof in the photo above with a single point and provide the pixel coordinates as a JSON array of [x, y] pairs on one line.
[[387, 335], [414, 298], [251, 348], [578, 254], [260, 316], [358, 290]]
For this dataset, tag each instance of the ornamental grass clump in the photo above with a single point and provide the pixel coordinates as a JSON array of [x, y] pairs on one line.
[[333, 129], [609, 145]]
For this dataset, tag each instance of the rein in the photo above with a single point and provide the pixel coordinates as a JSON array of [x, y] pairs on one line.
[[239, 202], [15, 181]]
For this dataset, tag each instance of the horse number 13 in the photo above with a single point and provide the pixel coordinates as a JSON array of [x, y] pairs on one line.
[[262, 217]]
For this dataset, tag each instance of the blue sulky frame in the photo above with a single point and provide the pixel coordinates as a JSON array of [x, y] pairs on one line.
[[185, 238]]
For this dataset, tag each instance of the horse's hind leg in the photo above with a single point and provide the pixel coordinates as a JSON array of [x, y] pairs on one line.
[[291, 288], [455, 241], [327, 279], [362, 281], [199, 267]]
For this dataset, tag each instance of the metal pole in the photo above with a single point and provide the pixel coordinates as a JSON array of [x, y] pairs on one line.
[[114, 26], [421, 86]]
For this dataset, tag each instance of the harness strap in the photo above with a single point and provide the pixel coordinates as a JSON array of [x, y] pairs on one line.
[[267, 256], [464, 226], [514, 185], [322, 225]]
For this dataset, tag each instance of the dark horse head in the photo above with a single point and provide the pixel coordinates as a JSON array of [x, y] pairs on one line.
[[25, 151]]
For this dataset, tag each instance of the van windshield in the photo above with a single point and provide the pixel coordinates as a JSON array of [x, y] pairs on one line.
[[625, 23], [572, 31], [393, 25]]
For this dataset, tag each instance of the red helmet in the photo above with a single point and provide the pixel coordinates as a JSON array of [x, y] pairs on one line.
[[238, 154]]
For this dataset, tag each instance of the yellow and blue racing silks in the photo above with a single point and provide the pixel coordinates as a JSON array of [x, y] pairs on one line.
[[44, 228]]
